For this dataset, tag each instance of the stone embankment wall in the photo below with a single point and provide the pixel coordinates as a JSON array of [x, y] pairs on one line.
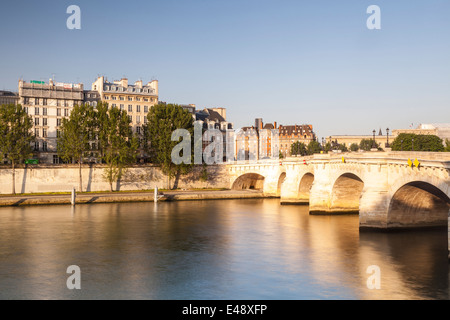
[[58, 178]]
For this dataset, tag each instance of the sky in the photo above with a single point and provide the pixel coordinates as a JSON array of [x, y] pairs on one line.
[[293, 62]]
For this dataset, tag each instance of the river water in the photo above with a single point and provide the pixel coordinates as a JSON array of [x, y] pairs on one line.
[[221, 250]]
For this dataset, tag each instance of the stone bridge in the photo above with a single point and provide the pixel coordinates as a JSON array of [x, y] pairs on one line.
[[387, 189]]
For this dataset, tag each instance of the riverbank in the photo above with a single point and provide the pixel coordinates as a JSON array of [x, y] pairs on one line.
[[129, 196]]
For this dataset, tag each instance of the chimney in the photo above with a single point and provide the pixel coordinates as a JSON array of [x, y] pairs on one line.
[[124, 82], [138, 83], [274, 124]]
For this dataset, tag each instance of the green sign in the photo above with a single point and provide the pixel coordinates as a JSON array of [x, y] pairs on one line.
[[37, 82], [32, 161]]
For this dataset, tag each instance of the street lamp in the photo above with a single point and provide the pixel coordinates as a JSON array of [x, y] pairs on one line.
[[373, 144], [387, 135]]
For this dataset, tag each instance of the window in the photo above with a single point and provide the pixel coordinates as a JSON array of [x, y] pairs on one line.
[[44, 111], [138, 119], [58, 122], [122, 98], [138, 99], [44, 102], [121, 107], [25, 109], [130, 118], [36, 146], [36, 133], [145, 108], [44, 121], [66, 112], [130, 108], [36, 110], [113, 97], [58, 133], [138, 130], [26, 100], [130, 98], [44, 146], [145, 99], [106, 97], [145, 119], [36, 101], [138, 108], [55, 159], [36, 121], [44, 133]]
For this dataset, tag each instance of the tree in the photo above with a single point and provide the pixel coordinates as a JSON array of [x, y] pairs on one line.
[[314, 147], [76, 133], [417, 142], [15, 136], [354, 147], [298, 148], [327, 147], [117, 144], [162, 120], [367, 144]]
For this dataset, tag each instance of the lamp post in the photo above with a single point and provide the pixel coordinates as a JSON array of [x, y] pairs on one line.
[[373, 144], [387, 136]]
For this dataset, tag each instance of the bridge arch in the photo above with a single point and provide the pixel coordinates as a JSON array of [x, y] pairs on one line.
[[281, 179], [254, 181], [304, 187], [418, 204], [346, 193]]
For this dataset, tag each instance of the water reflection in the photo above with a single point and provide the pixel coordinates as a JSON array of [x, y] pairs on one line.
[[231, 249]]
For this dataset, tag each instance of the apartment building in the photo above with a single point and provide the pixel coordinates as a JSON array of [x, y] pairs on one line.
[[47, 104], [8, 97], [136, 99]]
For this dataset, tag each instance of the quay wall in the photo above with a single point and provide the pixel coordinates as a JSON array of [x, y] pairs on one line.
[[62, 178]]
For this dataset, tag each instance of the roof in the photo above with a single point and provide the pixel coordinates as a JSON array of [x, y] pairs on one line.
[[210, 115]]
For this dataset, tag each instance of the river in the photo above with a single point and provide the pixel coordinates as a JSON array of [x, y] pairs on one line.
[[214, 249]]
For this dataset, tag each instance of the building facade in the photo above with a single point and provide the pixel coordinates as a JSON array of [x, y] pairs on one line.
[[8, 97], [294, 133], [136, 99], [47, 104]]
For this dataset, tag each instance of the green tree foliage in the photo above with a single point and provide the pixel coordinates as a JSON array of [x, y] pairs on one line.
[[367, 144], [313, 147], [76, 133], [162, 120], [327, 147], [15, 136], [117, 143], [298, 149], [410, 141], [354, 147]]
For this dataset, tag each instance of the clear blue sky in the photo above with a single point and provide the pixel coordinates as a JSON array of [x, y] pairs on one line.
[[286, 61]]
